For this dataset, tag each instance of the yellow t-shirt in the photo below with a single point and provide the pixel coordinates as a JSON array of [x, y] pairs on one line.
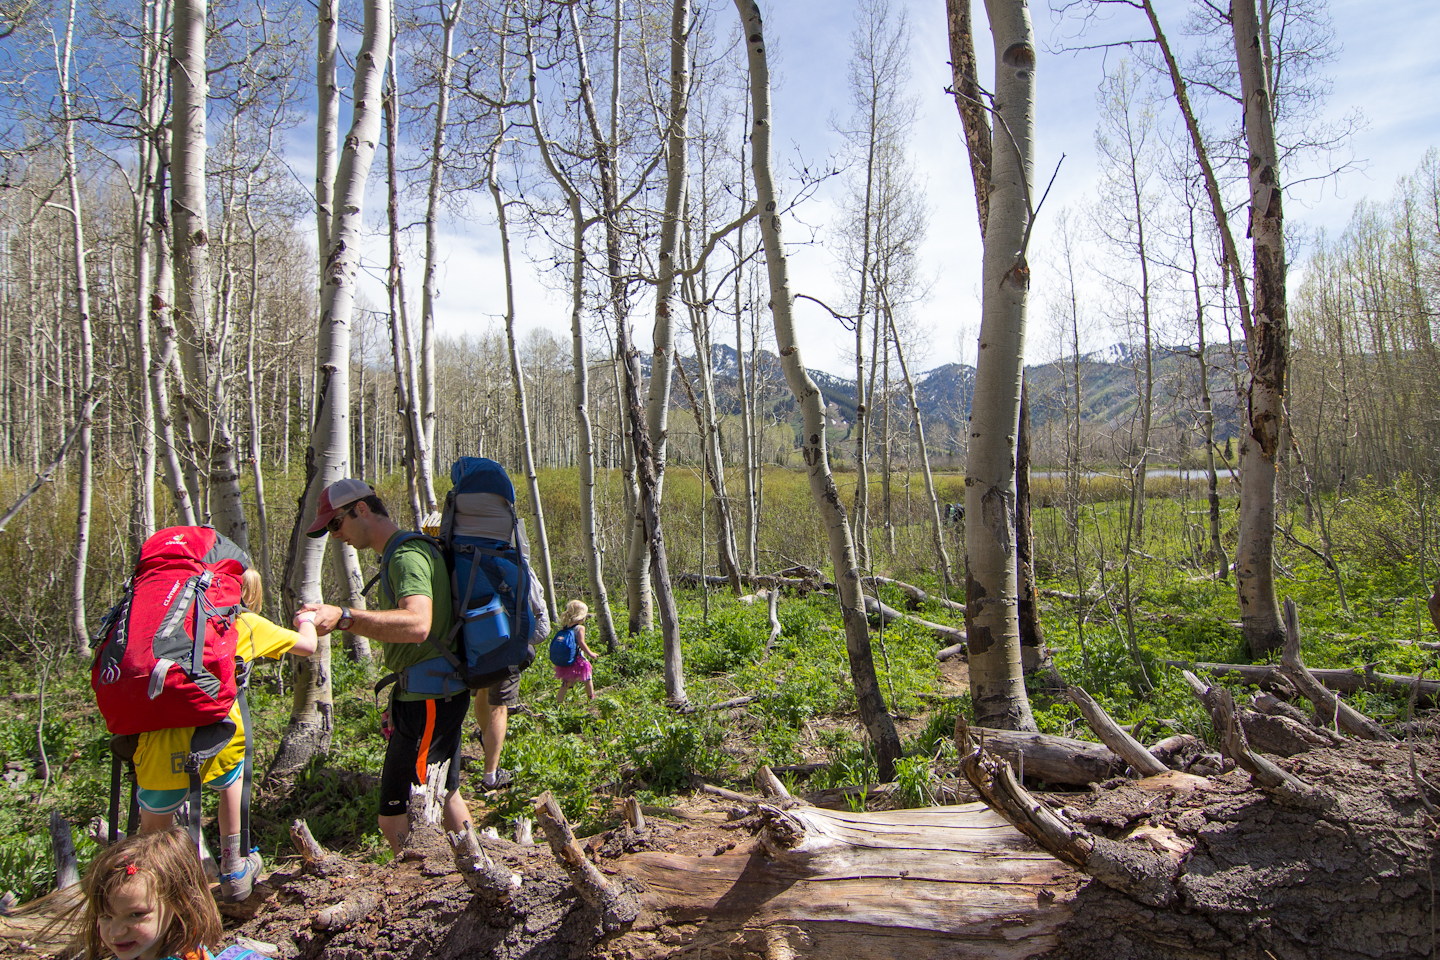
[[160, 755]]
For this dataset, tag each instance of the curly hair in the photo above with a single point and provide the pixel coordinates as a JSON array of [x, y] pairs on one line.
[[168, 862]]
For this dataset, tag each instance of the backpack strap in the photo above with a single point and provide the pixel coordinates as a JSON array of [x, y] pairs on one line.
[[206, 743], [396, 542], [383, 576], [242, 686], [114, 827], [122, 751], [197, 651]]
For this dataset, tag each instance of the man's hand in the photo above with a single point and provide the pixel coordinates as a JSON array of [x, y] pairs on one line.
[[326, 616], [385, 728]]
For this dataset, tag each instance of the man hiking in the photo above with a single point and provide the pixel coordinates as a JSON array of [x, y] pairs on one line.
[[412, 619]]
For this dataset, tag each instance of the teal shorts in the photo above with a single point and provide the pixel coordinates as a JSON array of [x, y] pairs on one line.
[[168, 801]]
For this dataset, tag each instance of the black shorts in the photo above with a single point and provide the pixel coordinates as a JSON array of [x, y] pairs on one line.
[[426, 732]]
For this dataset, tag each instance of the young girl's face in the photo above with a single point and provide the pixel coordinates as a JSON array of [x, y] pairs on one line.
[[134, 923]]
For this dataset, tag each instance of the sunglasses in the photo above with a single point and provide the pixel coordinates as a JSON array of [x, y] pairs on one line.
[[338, 521]]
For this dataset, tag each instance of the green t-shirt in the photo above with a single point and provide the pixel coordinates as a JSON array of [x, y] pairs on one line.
[[416, 569]]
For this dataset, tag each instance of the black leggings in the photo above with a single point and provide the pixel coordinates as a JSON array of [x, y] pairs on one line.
[[426, 731]]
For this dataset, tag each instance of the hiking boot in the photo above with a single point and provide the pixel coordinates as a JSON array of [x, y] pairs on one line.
[[235, 887], [500, 779]]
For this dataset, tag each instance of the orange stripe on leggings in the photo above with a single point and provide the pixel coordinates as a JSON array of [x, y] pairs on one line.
[[423, 751]]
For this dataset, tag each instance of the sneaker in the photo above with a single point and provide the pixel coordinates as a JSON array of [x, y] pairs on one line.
[[235, 887], [500, 779]]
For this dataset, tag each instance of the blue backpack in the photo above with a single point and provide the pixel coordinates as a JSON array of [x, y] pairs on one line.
[[483, 546], [563, 650]]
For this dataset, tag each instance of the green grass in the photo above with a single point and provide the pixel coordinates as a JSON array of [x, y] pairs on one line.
[[627, 742]]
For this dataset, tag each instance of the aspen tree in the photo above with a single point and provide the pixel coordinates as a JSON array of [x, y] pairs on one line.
[[868, 697], [657, 404], [522, 406], [327, 458], [1267, 347], [580, 387], [979, 147], [205, 396], [992, 584], [424, 390], [64, 62]]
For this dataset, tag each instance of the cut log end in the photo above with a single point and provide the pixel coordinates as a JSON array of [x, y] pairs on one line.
[[477, 870], [347, 911]]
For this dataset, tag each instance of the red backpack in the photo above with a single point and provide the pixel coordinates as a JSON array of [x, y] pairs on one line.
[[165, 654]]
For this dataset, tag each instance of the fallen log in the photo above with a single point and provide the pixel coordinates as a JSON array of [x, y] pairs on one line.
[[1282, 736], [889, 614], [917, 597], [1284, 786], [1327, 705], [1275, 707], [1120, 742], [728, 704], [941, 881], [347, 911], [1341, 681], [616, 905], [1050, 759], [725, 794], [477, 870], [954, 650], [801, 585]]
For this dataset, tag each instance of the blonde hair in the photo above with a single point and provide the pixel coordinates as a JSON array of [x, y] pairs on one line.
[[575, 612], [252, 590], [168, 862]]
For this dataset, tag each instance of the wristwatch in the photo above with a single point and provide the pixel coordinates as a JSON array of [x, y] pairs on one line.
[[346, 621]]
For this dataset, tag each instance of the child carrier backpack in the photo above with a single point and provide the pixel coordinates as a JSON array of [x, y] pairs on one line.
[[563, 650], [165, 656], [497, 617]]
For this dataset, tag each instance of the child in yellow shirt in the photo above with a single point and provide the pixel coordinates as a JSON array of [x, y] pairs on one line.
[[160, 755]]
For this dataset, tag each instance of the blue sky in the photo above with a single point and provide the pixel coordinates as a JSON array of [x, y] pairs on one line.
[[1387, 68]]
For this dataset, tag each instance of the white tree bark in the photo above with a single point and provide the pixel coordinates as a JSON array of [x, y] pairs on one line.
[[199, 348], [997, 683], [581, 387], [657, 401], [143, 204], [80, 633], [327, 458], [522, 406], [430, 290], [327, 120], [1267, 347], [401, 355], [262, 517], [871, 702]]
